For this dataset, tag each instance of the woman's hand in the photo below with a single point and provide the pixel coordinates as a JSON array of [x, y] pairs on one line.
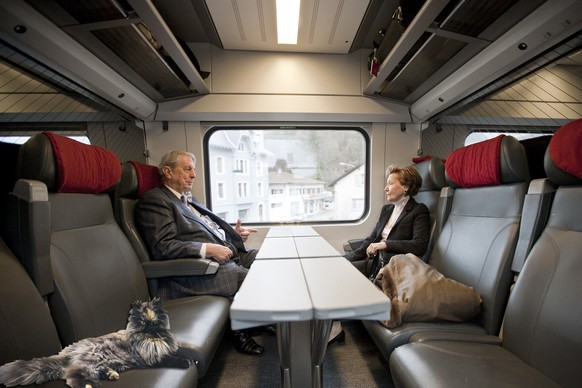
[[243, 232], [375, 247]]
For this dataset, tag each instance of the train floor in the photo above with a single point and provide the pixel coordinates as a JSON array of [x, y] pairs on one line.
[[355, 363]]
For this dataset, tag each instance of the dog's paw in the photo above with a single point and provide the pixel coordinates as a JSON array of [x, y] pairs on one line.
[[112, 375]]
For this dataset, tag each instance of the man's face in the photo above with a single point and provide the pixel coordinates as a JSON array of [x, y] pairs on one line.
[[182, 176]]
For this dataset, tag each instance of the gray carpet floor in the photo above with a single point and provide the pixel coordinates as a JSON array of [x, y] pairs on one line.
[[355, 363]]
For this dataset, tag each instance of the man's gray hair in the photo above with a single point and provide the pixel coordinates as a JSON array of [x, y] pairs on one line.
[[170, 159]]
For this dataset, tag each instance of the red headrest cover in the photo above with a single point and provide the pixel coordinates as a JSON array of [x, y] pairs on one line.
[[476, 164], [82, 168], [148, 177], [566, 148]]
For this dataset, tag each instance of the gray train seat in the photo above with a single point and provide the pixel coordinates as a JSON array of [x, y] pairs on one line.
[[137, 178], [97, 274], [8, 158], [432, 172], [541, 344], [23, 237], [536, 207], [27, 331], [477, 242]]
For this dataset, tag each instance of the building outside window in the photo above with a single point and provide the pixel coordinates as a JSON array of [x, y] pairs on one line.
[[301, 174]]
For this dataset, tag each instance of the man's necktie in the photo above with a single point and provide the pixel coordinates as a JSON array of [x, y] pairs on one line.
[[213, 225]]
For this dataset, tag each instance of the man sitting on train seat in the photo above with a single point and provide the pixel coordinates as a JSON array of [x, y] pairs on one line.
[[173, 224]]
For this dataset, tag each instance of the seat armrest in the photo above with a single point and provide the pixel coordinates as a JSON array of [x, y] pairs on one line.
[[351, 245], [179, 267], [428, 336]]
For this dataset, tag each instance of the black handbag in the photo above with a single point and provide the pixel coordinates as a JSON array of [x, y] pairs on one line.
[[373, 265]]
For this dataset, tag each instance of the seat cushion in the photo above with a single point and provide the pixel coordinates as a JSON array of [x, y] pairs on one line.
[[199, 323], [389, 339], [462, 364], [154, 378]]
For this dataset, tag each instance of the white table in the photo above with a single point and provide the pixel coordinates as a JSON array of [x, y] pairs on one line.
[[294, 247], [314, 246], [274, 291], [291, 231], [338, 291], [303, 295], [278, 248]]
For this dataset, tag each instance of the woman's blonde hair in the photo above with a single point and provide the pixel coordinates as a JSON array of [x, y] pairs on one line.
[[408, 176]]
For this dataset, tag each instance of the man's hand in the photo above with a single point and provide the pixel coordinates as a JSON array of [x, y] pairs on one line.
[[218, 252], [243, 232]]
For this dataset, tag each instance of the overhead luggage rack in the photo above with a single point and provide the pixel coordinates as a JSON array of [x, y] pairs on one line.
[[442, 37], [137, 44]]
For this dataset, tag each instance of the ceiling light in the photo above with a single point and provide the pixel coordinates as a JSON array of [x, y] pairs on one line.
[[287, 21]]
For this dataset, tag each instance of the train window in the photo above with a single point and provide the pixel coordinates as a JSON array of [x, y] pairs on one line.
[[19, 134], [478, 135], [23, 139], [287, 175]]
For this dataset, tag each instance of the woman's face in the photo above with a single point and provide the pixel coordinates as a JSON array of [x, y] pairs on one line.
[[394, 189]]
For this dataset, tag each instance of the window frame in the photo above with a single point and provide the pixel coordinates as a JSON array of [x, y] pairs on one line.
[[362, 129]]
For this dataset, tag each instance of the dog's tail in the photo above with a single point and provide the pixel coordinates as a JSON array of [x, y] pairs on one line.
[[35, 371]]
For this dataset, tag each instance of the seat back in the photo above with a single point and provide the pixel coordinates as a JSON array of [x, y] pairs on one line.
[[97, 274], [27, 331], [544, 314], [8, 157], [26, 328], [536, 207], [478, 239], [432, 172], [136, 179], [27, 240]]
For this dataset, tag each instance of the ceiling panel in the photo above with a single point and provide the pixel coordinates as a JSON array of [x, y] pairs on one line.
[[326, 26]]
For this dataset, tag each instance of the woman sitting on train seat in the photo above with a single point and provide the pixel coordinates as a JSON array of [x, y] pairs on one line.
[[174, 225], [403, 226]]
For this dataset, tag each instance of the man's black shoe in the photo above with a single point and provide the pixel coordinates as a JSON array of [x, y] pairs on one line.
[[244, 343]]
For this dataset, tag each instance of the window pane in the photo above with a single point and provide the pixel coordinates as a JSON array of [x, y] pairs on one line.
[[23, 139], [287, 175], [479, 136]]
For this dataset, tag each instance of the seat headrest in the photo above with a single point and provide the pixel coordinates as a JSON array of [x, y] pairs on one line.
[[490, 162], [68, 166], [563, 159], [432, 172], [137, 178]]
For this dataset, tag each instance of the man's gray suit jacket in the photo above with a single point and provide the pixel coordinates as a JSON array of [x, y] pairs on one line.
[[172, 230]]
